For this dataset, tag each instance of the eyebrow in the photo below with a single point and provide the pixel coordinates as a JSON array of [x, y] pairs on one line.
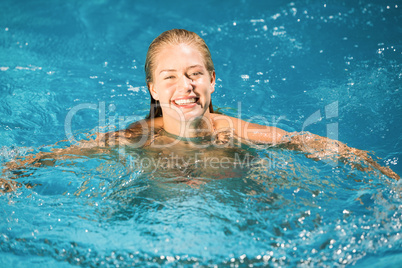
[[194, 66], [167, 70], [174, 70]]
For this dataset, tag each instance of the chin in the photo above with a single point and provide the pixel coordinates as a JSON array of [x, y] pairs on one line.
[[188, 115], [194, 115]]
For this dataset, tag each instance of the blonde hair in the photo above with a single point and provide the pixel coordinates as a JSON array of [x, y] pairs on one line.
[[173, 37]]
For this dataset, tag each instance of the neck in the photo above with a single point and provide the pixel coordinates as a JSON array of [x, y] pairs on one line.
[[198, 127]]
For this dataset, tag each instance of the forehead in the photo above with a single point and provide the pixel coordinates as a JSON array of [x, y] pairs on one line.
[[180, 55]]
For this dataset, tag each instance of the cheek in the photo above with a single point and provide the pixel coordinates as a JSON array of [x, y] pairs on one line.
[[165, 94], [207, 88]]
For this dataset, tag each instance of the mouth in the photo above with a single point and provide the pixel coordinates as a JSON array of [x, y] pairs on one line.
[[186, 102]]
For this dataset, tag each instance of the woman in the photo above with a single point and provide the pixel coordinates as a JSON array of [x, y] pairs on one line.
[[180, 76]]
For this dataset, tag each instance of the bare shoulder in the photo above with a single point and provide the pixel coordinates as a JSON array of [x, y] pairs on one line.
[[249, 131], [146, 125], [137, 133], [222, 121]]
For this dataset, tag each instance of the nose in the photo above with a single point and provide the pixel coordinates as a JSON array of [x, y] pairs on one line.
[[185, 84]]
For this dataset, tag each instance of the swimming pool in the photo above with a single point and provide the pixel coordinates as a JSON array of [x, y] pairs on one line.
[[329, 68]]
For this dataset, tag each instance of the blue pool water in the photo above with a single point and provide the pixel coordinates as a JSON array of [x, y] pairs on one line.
[[329, 67]]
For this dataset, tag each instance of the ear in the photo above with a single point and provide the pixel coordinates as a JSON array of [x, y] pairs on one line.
[[213, 80], [152, 90]]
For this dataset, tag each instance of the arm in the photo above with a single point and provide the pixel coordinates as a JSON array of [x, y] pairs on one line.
[[23, 165], [316, 147], [135, 136]]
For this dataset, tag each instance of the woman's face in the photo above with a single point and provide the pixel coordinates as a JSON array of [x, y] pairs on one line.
[[182, 83]]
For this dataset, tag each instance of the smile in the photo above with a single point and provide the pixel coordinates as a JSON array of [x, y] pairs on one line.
[[185, 101]]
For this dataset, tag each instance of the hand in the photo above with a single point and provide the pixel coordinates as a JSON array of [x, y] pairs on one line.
[[320, 148]]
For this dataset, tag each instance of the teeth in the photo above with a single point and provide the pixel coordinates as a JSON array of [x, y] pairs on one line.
[[186, 101]]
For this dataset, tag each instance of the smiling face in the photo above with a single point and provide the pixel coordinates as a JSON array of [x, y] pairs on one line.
[[181, 83]]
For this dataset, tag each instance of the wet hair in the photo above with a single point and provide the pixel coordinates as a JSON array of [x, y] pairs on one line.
[[173, 37]]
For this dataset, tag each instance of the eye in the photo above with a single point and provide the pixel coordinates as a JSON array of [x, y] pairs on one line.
[[169, 77], [196, 74]]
